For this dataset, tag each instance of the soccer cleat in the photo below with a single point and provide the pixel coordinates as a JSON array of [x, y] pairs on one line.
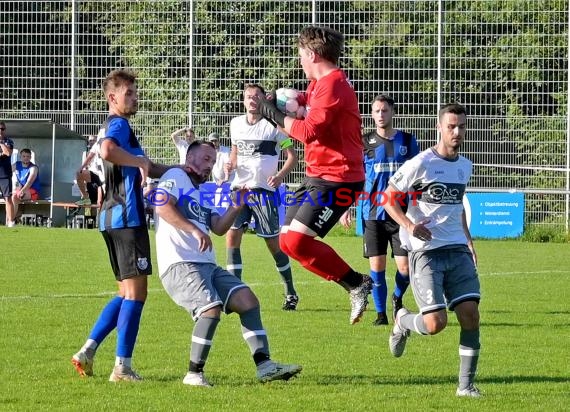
[[470, 391], [196, 379], [83, 363], [11, 223], [396, 305], [273, 371], [83, 202], [291, 302], [359, 299], [381, 320], [398, 336], [124, 373]]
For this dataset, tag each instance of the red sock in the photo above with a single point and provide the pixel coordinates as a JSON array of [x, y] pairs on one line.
[[314, 255], [283, 244]]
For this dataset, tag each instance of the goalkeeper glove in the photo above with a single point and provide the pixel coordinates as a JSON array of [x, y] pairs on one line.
[[269, 111]]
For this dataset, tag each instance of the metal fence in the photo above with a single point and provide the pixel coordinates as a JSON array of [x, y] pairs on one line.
[[506, 61]]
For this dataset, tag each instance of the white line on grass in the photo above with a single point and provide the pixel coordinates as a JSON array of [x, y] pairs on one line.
[[110, 293]]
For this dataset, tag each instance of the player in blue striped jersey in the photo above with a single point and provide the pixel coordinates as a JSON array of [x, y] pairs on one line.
[[385, 150], [123, 226]]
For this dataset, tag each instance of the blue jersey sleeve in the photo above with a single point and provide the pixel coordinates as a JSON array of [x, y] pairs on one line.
[[119, 130]]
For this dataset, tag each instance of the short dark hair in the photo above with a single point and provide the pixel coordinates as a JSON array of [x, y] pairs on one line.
[[384, 98], [254, 86], [454, 108], [324, 41], [197, 143], [28, 151], [117, 78]]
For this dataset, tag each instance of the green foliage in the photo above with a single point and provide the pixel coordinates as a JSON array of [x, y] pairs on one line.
[[546, 234], [507, 60]]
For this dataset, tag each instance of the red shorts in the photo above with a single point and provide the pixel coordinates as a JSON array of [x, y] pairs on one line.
[[34, 194]]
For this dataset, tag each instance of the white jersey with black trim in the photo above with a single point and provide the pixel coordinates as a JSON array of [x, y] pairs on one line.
[[258, 149], [96, 164], [436, 186], [174, 245]]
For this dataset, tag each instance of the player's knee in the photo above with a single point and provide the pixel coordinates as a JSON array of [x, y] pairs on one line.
[[214, 313], [243, 300], [435, 322], [468, 317]]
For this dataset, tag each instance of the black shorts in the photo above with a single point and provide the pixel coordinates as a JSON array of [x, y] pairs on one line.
[[129, 251], [319, 203], [6, 187], [377, 235], [93, 187]]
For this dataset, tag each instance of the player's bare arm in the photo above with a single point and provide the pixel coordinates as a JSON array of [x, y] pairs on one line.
[[468, 236], [395, 211], [113, 153], [173, 217], [221, 224], [291, 161]]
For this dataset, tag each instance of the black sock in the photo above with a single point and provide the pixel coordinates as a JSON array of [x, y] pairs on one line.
[[351, 280], [260, 357]]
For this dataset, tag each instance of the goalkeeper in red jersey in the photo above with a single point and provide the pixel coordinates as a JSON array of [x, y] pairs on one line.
[[331, 133]]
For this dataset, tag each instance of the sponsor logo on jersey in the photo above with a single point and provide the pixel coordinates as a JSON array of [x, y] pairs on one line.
[[245, 148], [386, 167], [443, 193], [197, 212]]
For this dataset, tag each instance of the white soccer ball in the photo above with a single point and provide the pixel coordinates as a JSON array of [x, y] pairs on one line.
[[290, 102]]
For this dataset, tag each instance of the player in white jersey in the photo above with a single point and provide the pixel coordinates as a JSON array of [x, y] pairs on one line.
[[219, 175], [188, 269], [256, 146], [182, 139], [443, 270], [90, 177]]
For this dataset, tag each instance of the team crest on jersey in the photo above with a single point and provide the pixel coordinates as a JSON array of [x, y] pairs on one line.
[[372, 140], [142, 263], [403, 150]]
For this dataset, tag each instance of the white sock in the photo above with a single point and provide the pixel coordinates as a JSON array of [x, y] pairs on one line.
[[90, 344], [123, 361]]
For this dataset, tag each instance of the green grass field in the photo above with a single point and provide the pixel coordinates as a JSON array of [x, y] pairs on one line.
[[54, 282]]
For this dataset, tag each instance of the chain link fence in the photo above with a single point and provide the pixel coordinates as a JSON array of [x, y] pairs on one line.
[[506, 61]]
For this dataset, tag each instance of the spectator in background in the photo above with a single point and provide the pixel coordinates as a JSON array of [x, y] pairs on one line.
[[90, 175], [182, 139], [27, 180], [219, 174], [6, 148]]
